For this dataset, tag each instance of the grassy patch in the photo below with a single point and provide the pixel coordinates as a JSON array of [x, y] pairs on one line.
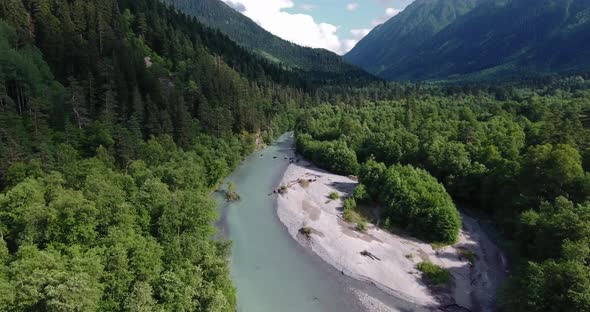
[[438, 246], [231, 195], [306, 231], [352, 216], [468, 254], [304, 183], [283, 189], [334, 196], [434, 274], [362, 226], [349, 204]]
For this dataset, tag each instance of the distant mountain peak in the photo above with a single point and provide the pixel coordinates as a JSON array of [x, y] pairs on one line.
[[442, 39]]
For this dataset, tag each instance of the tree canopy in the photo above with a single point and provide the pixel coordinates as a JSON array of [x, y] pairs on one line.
[[517, 152]]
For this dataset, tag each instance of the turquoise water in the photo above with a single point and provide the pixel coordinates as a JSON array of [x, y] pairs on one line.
[[271, 271]]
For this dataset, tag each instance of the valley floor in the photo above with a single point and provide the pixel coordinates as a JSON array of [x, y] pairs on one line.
[[338, 243]]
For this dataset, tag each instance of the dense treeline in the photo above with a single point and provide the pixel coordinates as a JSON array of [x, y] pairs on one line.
[[144, 68], [253, 66], [520, 155], [87, 237], [117, 120], [316, 64], [334, 156], [412, 199]]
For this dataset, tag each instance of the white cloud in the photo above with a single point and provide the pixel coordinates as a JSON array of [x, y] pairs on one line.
[[307, 7], [390, 12], [235, 5], [360, 33], [378, 21], [348, 44], [357, 35], [299, 28], [352, 6], [303, 29]]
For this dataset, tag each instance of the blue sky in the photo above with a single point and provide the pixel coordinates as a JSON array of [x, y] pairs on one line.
[[349, 15], [336, 25]]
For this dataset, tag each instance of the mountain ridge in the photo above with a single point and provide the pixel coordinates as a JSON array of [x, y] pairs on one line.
[[476, 44], [409, 29], [241, 29]]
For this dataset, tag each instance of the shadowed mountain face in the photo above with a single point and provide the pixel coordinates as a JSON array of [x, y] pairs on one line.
[[445, 39], [403, 34], [244, 31]]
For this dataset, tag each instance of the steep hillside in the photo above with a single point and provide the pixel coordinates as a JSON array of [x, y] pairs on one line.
[[247, 33], [400, 36], [494, 39]]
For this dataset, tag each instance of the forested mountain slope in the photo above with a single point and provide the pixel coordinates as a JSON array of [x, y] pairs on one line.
[[117, 120], [247, 33], [401, 35], [497, 38]]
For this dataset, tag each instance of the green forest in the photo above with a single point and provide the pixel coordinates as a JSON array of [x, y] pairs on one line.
[[520, 157], [317, 63], [119, 118]]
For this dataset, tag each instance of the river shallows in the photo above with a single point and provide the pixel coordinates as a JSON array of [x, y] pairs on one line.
[[271, 271]]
